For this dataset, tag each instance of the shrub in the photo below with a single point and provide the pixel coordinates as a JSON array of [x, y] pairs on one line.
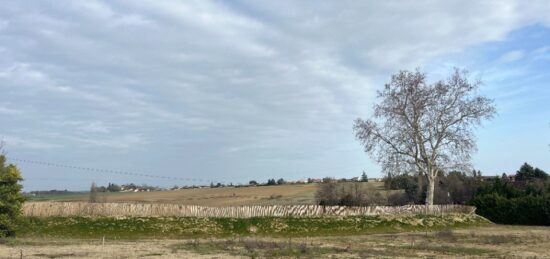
[[527, 172], [524, 202], [11, 198], [523, 210], [348, 194]]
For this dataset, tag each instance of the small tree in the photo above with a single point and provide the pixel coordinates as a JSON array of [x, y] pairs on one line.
[[116, 188], [424, 128], [281, 181], [364, 177], [93, 193], [527, 172], [11, 198]]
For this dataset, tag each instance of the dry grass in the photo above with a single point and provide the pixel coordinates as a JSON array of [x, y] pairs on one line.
[[487, 242], [228, 196]]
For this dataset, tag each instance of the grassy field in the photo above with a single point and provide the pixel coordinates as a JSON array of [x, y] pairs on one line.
[[191, 227], [420, 236], [227, 196], [490, 241]]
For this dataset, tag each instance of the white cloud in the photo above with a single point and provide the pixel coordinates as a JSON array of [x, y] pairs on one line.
[[512, 56], [8, 111], [226, 75], [15, 142]]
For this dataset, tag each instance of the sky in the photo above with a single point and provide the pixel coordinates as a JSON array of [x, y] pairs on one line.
[[230, 91]]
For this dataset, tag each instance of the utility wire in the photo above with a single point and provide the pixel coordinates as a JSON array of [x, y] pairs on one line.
[[109, 171]]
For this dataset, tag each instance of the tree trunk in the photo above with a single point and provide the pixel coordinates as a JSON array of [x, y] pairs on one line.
[[420, 190], [430, 191]]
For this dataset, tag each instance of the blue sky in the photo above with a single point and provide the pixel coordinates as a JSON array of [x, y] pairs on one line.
[[239, 90]]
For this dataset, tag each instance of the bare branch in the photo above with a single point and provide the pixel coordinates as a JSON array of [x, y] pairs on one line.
[[424, 127]]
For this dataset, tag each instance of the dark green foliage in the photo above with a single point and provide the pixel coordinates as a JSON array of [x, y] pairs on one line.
[[364, 177], [410, 184], [524, 210], [524, 203], [11, 198], [116, 188], [527, 172], [400, 182]]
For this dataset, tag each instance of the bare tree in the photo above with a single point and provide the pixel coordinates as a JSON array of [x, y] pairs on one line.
[[424, 128], [93, 193]]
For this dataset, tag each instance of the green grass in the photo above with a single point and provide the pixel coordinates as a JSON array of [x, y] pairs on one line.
[[73, 196], [187, 227], [59, 196]]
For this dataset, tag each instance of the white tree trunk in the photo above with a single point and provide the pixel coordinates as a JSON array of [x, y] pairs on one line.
[[430, 191]]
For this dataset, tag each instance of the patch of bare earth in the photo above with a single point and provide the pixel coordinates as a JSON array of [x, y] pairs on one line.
[[95, 249]]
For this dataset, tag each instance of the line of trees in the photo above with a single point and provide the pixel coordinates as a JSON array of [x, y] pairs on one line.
[[525, 200], [269, 182]]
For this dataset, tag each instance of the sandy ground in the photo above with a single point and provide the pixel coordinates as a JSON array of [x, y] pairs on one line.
[[487, 242], [80, 249]]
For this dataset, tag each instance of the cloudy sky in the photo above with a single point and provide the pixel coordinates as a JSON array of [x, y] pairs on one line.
[[231, 91]]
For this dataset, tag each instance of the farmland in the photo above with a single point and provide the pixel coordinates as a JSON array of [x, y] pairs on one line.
[[441, 235], [227, 196]]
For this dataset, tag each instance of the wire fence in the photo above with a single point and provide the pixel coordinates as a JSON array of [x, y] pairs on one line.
[[115, 172]]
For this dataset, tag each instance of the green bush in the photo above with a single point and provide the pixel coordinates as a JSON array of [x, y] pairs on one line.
[[523, 210], [11, 198]]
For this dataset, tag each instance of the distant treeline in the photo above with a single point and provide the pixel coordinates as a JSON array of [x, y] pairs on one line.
[[49, 192], [522, 198]]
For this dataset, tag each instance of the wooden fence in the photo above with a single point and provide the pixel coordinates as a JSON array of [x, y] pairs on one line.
[[47, 209]]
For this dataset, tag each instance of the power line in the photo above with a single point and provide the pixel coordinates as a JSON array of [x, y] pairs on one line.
[[109, 171]]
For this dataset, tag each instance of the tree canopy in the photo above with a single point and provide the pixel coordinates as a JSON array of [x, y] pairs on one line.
[[424, 128], [527, 172], [11, 198]]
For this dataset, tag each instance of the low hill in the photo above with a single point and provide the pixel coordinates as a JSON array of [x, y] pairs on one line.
[[226, 196]]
